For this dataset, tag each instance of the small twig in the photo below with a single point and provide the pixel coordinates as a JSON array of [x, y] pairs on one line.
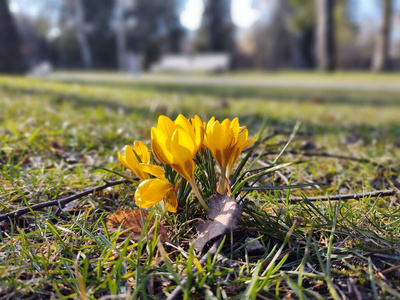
[[60, 202], [385, 256], [326, 154], [382, 193], [392, 269], [176, 293]]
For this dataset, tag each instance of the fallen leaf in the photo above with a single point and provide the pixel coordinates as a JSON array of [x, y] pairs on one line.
[[133, 220], [225, 214]]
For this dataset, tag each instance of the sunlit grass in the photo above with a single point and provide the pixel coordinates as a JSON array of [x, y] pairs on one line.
[[54, 136]]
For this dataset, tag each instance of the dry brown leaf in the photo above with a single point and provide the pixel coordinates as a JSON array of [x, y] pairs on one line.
[[134, 220], [225, 214]]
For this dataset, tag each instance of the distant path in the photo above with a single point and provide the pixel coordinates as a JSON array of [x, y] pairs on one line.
[[309, 81]]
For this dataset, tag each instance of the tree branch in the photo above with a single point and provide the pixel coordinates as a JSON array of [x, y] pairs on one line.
[[60, 202]]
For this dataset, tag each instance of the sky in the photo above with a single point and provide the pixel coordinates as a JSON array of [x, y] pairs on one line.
[[242, 12], [244, 15]]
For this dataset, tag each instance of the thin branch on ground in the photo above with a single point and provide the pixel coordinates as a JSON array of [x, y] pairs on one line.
[[385, 256], [391, 269], [357, 196], [60, 202], [326, 154], [176, 293]]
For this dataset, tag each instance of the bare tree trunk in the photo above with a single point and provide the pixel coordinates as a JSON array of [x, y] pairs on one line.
[[216, 30], [11, 59], [325, 35], [120, 35], [381, 52], [80, 32]]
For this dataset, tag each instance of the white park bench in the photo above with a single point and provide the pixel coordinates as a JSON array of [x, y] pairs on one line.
[[208, 62]]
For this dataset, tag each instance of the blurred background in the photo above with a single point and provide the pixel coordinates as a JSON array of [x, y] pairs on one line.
[[132, 36]]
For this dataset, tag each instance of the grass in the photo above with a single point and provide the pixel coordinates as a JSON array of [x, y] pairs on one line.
[[55, 135]]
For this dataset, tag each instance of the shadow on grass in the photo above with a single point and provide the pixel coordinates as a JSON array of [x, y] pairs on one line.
[[319, 96], [365, 132]]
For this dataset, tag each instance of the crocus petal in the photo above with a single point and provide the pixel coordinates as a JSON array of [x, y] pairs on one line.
[[210, 123], [154, 170], [159, 146], [183, 123], [199, 130], [165, 124], [142, 151], [182, 146], [122, 160], [151, 191], [131, 162]]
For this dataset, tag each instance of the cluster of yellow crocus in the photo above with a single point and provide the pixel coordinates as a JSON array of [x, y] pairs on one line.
[[176, 143]]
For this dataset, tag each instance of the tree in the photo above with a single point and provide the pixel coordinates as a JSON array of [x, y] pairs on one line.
[[216, 30], [325, 35], [80, 32], [349, 52], [100, 36], [11, 58], [301, 23], [381, 52], [121, 7], [73, 26], [153, 28]]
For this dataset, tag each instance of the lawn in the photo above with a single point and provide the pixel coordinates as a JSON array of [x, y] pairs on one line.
[[58, 137]]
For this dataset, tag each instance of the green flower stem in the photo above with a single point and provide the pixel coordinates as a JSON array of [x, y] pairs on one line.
[[197, 193], [221, 186]]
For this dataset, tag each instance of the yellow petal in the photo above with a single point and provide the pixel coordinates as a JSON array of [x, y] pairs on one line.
[[182, 146], [223, 137], [199, 130], [216, 135], [250, 142], [122, 160], [131, 162], [159, 146], [210, 124], [142, 151], [186, 169], [235, 123], [182, 122], [151, 191], [226, 124], [232, 158], [166, 125], [242, 138], [154, 170]]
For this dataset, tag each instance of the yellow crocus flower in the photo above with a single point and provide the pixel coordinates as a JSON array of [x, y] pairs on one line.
[[131, 161], [150, 190], [153, 190], [176, 143], [226, 141]]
